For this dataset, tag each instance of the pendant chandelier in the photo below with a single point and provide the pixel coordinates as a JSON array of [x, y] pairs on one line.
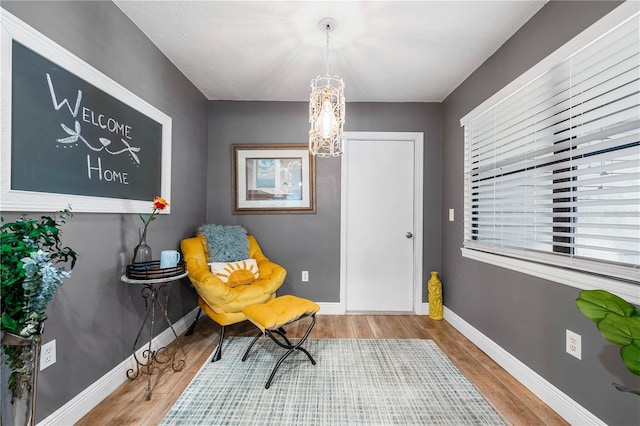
[[326, 108]]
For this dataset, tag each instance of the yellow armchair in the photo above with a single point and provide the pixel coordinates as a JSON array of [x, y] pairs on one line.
[[219, 301]]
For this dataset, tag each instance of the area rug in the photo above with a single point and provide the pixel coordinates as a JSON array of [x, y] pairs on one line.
[[355, 382]]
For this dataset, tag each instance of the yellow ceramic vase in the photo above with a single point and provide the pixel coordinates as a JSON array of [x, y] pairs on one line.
[[434, 287]]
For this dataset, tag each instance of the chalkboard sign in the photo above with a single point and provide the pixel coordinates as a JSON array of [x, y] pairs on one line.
[[76, 136]]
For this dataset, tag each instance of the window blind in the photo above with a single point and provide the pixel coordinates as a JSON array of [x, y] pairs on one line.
[[552, 171]]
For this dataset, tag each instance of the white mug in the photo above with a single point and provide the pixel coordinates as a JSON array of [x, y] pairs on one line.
[[169, 259]]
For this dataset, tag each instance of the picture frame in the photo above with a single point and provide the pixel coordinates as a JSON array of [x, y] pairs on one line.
[[71, 136], [273, 179]]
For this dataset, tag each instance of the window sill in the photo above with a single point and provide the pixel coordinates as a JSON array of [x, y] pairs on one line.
[[629, 292]]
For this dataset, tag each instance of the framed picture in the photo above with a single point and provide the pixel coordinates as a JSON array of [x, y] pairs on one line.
[[73, 136], [273, 178]]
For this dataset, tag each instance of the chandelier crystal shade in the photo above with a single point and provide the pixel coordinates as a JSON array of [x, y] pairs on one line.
[[326, 109]]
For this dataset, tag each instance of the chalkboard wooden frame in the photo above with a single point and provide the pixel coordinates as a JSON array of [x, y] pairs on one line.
[[128, 150]]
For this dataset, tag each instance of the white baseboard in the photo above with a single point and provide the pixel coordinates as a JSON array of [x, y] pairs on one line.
[[338, 308], [331, 308], [566, 407], [423, 309], [86, 400]]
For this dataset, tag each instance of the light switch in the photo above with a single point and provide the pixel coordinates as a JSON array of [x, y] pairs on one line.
[[451, 215]]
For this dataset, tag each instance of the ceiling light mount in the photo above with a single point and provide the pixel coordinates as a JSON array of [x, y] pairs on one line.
[[327, 24]]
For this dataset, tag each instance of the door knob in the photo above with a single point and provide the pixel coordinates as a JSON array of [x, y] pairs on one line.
[[409, 235]]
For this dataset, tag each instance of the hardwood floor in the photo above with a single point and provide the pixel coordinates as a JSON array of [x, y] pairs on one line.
[[517, 405]]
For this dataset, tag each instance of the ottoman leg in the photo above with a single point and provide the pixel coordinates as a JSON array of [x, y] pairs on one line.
[[279, 332], [290, 348]]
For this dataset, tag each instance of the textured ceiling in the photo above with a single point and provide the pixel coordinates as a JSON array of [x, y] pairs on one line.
[[386, 51]]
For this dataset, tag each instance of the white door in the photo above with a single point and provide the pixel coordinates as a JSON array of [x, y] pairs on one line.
[[379, 223]]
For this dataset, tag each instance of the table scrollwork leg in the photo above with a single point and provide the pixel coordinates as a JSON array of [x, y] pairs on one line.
[[176, 365], [145, 362], [147, 292]]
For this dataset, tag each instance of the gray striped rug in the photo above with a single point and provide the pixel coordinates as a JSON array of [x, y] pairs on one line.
[[355, 382]]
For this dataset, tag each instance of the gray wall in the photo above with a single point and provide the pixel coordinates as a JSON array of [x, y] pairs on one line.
[[312, 241], [94, 317], [528, 316]]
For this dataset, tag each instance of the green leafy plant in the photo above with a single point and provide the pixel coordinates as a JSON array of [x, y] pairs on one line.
[[619, 322], [30, 276]]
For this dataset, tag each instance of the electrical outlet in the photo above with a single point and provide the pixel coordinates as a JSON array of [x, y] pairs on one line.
[[305, 276], [451, 215], [48, 354], [574, 344]]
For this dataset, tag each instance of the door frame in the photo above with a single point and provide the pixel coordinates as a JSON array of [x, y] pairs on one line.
[[418, 143]]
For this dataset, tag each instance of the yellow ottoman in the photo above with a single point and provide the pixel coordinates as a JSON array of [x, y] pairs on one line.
[[271, 316]]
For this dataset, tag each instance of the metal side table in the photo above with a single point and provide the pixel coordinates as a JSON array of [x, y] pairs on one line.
[[155, 292]]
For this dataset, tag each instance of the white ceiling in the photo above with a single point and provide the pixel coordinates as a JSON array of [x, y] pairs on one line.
[[386, 51]]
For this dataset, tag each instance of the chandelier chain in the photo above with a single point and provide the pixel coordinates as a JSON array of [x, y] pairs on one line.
[[328, 28]]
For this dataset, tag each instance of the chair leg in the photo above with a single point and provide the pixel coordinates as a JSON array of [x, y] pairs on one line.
[[218, 354], [193, 326]]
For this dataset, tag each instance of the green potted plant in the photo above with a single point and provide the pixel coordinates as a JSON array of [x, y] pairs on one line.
[[619, 322], [31, 273]]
